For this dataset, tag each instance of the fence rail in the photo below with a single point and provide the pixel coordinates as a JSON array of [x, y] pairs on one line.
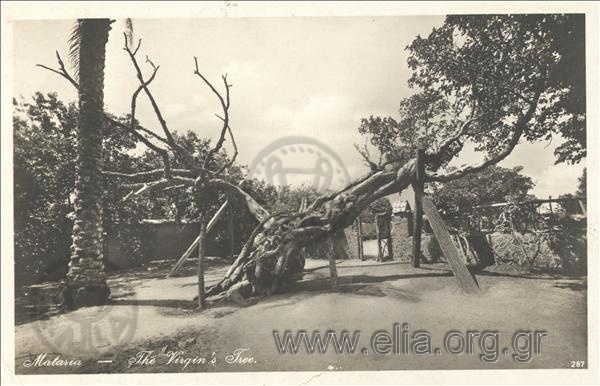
[[532, 215]]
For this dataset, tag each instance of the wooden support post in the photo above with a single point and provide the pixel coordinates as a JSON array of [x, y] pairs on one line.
[[384, 236], [361, 255], [201, 242], [194, 245], [465, 280], [464, 247], [332, 269], [389, 247], [378, 234], [471, 254], [230, 231], [418, 185]]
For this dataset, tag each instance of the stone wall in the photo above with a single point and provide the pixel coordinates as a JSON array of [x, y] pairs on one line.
[[532, 251], [523, 251], [402, 238], [352, 240], [162, 241], [336, 245]]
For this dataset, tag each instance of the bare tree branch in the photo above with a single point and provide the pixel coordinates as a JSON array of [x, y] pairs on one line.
[[132, 122], [462, 130], [172, 178], [140, 77], [514, 140], [151, 174], [138, 47], [254, 207], [366, 155], [62, 71], [235, 151], [224, 105], [326, 197], [179, 150], [147, 187]]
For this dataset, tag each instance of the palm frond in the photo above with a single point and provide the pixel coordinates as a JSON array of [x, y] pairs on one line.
[[74, 39], [129, 31]]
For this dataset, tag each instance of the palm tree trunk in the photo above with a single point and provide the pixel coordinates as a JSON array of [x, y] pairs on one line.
[[86, 282]]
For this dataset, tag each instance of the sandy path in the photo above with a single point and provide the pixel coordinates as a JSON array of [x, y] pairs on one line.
[[140, 309], [430, 303], [372, 296]]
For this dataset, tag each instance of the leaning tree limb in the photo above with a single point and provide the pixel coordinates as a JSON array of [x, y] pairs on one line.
[[270, 257], [272, 254], [518, 130]]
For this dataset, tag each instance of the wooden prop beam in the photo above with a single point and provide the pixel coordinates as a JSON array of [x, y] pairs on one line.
[[196, 242], [200, 272], [231, 232], [418, 186], [466, 281], [359, 235], [332, 268]]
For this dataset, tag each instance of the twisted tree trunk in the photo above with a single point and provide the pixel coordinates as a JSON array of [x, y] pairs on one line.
[[271, 257], [86, 284]]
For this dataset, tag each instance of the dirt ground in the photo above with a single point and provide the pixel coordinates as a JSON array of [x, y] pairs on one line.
[[151, 313]]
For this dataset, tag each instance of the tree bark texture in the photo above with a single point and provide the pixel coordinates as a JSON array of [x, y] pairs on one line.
[[86, 284], [271, 258]]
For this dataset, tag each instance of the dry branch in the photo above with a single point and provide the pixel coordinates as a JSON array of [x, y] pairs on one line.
[[225, 102], [519, 128], [186, 157]]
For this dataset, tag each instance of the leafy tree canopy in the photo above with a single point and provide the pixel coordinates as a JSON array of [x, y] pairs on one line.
[[492, 78], [44, 181], [382, 205], [44, 177], [582, 184], [491, 185]]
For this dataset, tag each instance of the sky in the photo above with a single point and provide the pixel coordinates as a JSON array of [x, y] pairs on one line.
[[309, 76]]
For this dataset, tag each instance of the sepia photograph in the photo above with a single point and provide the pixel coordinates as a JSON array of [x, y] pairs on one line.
[[238, 189]]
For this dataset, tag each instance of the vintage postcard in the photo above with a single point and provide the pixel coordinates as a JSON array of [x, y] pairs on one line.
[[304, 193]]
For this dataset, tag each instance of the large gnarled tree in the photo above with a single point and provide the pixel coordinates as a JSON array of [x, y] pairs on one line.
[[490, 80]]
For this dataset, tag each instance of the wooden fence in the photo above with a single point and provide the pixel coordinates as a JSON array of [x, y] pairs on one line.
[[534, 214]]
